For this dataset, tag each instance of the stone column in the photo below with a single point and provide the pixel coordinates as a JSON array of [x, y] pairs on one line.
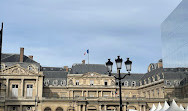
[[21, 109], [7, 89], [105, 107], [101, 94], [22, 87], [97, 93], [87, 95], [144, 107], [111, 93], [82, 93], [79, 107], [140, 107], [125, 107], [99, 107], [84, 108]]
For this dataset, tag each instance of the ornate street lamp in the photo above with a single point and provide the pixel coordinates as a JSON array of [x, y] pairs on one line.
[[128, 65], [109, 65], [119, 61]]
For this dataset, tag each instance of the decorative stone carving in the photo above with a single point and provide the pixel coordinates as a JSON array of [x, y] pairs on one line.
[[113, 83], [70, 82]]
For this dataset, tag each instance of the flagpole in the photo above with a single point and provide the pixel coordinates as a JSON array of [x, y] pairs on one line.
[[88, 57]]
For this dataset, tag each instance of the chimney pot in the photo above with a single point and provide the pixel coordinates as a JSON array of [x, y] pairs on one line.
[[21, 54], [31, 57], [66, 68], [83, 61]]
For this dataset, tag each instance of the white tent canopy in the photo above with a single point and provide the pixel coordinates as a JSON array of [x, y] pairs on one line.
[[181, 107], [174, 107], [165, 107], [132, 110], [153, 108], [159, 107]]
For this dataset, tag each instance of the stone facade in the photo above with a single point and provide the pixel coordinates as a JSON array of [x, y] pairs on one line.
[[27, 86]]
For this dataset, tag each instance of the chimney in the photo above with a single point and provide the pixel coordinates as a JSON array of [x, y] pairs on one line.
[[83, 61], [21, 54], [31, 57], [66, 68]]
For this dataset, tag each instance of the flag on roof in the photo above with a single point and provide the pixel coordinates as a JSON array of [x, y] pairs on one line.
[[87, 52]]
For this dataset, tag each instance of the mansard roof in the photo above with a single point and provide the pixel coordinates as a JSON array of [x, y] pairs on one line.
[[15, 58], [52, 69], [55, 74], [151, 73], [84, 68]]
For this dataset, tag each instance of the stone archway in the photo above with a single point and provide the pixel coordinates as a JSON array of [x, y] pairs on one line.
[[47, 109], [59, 109]]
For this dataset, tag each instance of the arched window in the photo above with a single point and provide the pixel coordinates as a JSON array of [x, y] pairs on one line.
[[2, 66], [47, 109], [59, 109], [63, 83], [30, 67], [176, 83], [126, 83], [133, 84], [149, 80], [55, 82], [46, 82], [168, 83]]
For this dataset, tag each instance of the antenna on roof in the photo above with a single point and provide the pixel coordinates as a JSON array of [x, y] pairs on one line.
[[1, 38]]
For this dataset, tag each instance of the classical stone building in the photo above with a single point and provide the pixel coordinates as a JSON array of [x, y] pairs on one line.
[[27, 86]]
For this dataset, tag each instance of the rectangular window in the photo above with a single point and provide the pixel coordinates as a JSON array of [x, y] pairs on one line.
[[77, 82], [105, 83], [14, 90], [29, 90], [91, 82]]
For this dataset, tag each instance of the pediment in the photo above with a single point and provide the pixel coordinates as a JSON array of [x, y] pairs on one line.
[[18, 70], [91, 74]]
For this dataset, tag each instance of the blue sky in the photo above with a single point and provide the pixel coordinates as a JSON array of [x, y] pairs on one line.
[[58, 32]]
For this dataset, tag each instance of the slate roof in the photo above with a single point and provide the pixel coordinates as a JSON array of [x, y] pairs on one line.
[[133, 77], [52, 69], [84, 68], [151, 73], [15, 58], [55, 74]]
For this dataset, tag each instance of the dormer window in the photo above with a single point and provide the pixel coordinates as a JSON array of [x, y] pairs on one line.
[[133, 84], [55, 82], [63, 82], [168, 83], [149, 80], [153, 78], [46, 82], [30, 67], [126, 83], [176, 83], [140, 82], [77, 82], [2, 66], [117, 83]]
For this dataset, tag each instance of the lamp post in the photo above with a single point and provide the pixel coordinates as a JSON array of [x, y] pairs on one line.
[[119, 61]]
